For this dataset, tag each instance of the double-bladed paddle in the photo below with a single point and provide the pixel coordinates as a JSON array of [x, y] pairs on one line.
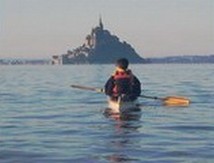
[[167, 101]]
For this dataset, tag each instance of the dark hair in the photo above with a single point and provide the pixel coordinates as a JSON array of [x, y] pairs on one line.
[[122, 63]]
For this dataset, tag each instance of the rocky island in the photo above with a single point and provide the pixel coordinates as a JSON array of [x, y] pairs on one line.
[[100, 46]]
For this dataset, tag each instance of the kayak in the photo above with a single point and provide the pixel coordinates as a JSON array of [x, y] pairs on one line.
[[122, 106]]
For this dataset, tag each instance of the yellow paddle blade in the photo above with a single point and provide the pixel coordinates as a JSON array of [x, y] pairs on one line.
[[176, 101]]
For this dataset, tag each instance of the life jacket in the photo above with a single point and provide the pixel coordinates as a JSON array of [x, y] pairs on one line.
[[122, 82]]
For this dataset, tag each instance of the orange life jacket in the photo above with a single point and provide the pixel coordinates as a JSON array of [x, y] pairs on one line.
[[122, 82]]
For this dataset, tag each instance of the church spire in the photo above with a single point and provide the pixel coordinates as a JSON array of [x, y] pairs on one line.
[[100, 22]]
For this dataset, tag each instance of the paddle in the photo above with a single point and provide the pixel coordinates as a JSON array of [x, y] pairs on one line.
[[167, 101]]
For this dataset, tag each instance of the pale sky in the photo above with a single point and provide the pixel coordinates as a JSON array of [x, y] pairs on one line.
[[155, 28]]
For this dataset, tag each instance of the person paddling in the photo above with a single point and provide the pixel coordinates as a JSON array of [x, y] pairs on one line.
[[123, 84]]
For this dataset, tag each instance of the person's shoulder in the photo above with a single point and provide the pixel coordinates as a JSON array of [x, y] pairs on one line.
[[136, 78], [111, 78], [129, 72]]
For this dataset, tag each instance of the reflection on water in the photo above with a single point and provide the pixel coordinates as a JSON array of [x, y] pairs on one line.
[[122, 140], [119, 158], [134, 114]]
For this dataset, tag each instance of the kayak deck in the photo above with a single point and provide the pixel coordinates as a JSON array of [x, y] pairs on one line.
[[122, 106]]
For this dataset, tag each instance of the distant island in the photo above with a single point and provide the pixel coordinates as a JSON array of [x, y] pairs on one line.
[[191, 59], [182, 59], [100, 46], [14, 61]]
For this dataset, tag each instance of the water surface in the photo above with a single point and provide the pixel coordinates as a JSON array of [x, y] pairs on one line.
[[42, 119]]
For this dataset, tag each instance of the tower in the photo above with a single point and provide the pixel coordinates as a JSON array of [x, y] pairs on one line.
[[101, 23]]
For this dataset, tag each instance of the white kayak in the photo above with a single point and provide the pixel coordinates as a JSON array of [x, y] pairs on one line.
[[122, 106]]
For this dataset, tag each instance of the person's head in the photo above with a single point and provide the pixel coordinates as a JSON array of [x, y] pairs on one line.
[[122, 63]]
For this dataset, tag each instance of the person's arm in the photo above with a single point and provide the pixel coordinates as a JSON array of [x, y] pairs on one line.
[[109, 86], [136, 87]]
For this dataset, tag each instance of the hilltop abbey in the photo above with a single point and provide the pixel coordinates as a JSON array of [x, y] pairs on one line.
[[99, 47]]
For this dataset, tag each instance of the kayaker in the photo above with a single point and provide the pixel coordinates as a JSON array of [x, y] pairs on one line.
[[123, 83]]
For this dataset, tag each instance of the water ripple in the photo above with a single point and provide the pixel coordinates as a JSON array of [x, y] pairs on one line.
[[43, 120]]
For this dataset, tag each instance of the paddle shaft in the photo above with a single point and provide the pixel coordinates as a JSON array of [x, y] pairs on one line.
[[88, 88], [152, 97], [101, 90]]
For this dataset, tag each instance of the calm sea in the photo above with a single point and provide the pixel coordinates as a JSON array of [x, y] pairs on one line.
[[42, 119]]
